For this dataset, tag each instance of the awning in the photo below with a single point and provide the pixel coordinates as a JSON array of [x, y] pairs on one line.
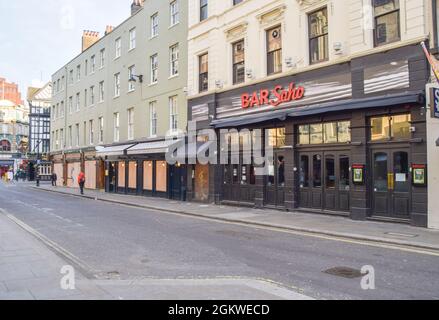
[[112, 150], [333, 106], [152, 147], [257, 118], [353, 104]]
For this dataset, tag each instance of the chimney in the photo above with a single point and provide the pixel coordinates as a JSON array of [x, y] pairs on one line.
[[136, 6], [89, 38], [109, 29]]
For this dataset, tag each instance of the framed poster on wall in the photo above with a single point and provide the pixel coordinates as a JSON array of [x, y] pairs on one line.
[[419, 173], [358, 173]]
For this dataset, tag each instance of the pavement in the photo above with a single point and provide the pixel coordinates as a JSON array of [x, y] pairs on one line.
[[29, 270], [318, 224]]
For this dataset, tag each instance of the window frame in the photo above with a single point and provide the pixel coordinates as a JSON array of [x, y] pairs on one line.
[[311, 38], [376, 17]]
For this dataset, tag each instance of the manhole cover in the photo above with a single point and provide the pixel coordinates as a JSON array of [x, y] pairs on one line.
[[344, 272]]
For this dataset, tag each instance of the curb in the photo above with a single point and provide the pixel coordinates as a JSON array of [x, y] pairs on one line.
[[371, 240]]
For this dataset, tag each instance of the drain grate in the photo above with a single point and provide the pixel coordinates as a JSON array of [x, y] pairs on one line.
[[344, 272]]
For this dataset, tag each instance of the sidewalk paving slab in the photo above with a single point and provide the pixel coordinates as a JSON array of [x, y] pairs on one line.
[[319, 224]]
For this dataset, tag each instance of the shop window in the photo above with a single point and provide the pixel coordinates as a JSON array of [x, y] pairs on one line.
[[304, 172], [121, 175], [252, 175], [317, 170], [148, 171], [344, 173], [277, 137], [161, 176], [387, 25], [132, 177], [235, 174], [316, 132], [380, 172], [390, 127], [330, 172], [270, 176], [227, 174], [244, 177], [333, 132], [281, 171], [330, 132]]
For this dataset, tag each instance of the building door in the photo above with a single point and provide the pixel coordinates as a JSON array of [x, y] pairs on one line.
[[275, 181], [112, 177], [176, 181], [391, 183], [324, 181]]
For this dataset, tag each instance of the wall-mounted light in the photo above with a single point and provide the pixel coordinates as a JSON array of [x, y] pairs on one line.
[[134, 77]]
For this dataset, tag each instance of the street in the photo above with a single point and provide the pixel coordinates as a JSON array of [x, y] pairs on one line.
[[128, 243]]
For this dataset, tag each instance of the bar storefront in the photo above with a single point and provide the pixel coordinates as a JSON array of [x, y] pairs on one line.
[[348, 139]]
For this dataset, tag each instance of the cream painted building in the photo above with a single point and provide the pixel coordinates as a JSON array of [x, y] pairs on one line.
[[125, 88], [338, 87]]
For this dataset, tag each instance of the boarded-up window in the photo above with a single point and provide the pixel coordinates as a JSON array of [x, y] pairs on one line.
[[90, 174], [132, 178], [161, 176], [147, 175], [121, 175]]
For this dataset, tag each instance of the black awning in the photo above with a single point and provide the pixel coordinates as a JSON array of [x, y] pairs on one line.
[[333, 106], [251, 119], [353, 104]]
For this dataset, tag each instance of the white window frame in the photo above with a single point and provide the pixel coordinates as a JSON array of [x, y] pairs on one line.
[[153, 119], [118, 47], [154, 25], [154, 64], [174, 55], [132, 39], [101, 91], [117, 85], [130, 123], [78, 102], [92, 96], [131, 73], [93, 64], [174, 8], [173, 113], [102, 53], [101, 130], [91, 132], [116, 127]]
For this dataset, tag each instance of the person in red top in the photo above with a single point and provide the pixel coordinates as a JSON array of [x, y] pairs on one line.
[[81, 181]]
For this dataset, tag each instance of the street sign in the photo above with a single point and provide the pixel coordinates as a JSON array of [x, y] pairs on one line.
[[435, 103]]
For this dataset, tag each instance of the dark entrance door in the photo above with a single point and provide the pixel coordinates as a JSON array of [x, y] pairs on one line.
[[324, 181], [176, 185], [112, 177], [275, 181], [391, 183]]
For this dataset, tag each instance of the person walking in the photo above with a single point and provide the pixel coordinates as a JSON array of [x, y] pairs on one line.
[[54, 179], [81, 181]]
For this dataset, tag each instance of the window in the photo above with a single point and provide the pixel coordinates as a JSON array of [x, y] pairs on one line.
[[175, 12], [387, 25], [61, 134], [131, 73], [390, 127], [91, 132], [102, 58], [62, 111], [203, 10], [238, 62], [101, 91], [85, 98], [78, 73], [154, 68], [93, 64], [117, 85], [78, 101], [276, 137], [235, 2], [70, 136], [101, 130], [274, 50], [71, 77], [77, 135], [131, 124], [116, 127], [63, 79], [70, 105], [86, 67], [118, 47], [326, 133], [174, 55], [132, 38], [204, 72], [173, 113], [318, 36], [153, 117], [92, 95], [154, 25]]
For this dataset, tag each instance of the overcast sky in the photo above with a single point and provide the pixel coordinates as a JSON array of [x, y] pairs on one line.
[[40, 36]]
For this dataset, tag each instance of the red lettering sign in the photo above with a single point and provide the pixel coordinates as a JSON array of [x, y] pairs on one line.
[[281, 95]]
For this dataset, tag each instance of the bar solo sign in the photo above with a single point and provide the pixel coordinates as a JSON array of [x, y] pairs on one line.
[[279, 93]]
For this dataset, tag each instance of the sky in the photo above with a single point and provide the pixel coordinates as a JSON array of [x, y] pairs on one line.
[[38, 37]]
